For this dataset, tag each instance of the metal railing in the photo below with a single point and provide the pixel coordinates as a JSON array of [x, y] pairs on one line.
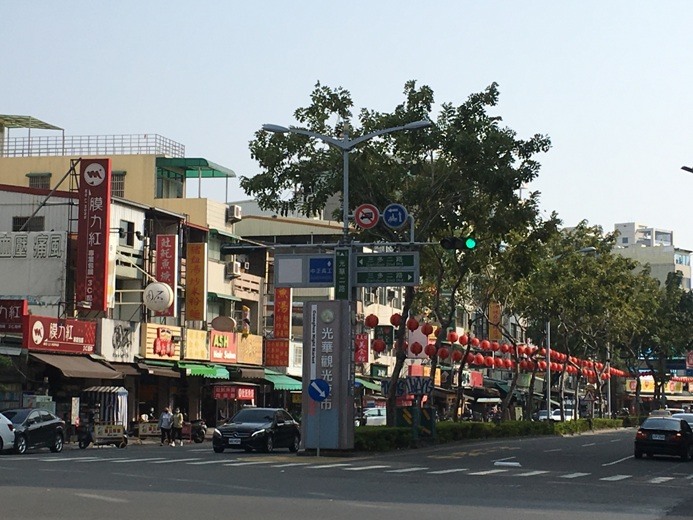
[[79, 145]]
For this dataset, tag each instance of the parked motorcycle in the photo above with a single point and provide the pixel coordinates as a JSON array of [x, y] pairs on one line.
[[198, 430]]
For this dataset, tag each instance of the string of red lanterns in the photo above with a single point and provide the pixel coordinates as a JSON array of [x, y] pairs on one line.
[[530, 357]]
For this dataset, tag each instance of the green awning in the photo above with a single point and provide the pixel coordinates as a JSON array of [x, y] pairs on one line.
[[195, 167], [224, 233], [282, 381], [223, 296], [367, 384], [198, 369]]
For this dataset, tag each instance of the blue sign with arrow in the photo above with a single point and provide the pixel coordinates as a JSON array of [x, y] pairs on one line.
[[319, 390], [395, 216]]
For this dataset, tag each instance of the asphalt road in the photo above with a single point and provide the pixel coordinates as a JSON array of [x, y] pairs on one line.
[[587, 476]]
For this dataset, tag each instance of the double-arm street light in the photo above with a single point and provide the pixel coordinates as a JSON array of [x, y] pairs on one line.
[[345, 145]]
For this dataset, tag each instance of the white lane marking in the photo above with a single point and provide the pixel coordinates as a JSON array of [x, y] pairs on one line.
[[551, 451], [22, 457], [446, 471], [689, 477], [76, 459], [207, 462], [171, 461], [364, 468], [617, 461], [101, 497], [574, 475], [125, 461], [589, 444], [254, 463], [326, 466], [614, 478], [489, 472], [660, 480], [406, 470], [530, 473], [510, 464], [503, 460], [615, 440], [290, 464]]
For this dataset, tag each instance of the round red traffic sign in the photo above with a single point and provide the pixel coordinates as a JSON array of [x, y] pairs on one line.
[[366, 216]]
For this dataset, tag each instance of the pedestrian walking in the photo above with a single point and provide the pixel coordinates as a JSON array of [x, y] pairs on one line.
[[165, 424], [177, 427]]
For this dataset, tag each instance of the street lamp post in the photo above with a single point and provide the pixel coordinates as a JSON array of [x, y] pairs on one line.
[[345, 145]]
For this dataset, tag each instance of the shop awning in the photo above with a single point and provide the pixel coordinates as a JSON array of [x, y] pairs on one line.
[[127, 369], [237, 372], [282, 381], [367, 384], [195, 167], [221, 296], [159, 368], [78, 366], [204, 370]]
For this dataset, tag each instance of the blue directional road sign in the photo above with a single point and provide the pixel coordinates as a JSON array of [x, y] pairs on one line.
[[395, 216], [319, 390], [320, 270]]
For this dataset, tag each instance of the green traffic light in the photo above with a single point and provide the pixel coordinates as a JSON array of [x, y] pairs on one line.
[[470, 243]]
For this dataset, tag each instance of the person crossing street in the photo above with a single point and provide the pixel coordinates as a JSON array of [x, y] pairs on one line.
[[177, 427]]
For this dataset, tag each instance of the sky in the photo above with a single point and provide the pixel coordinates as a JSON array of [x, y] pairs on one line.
[[611, 83]]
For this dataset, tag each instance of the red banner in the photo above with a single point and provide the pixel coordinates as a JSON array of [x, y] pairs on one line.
[[282, 313], [55, 335], [94, 229], [167, 268], [12, 313], [277, 352], [223, 347], [242, 393], [196, 282], [361, 348]]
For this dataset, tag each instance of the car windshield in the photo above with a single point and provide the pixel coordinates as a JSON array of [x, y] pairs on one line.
[[16, 416], [257, 415], [662, 423]]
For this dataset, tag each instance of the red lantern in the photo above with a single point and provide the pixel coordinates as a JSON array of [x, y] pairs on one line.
[[479, 359], [412, 324], [378, 345], [416, 348], [430, 350], [485, 345], [464, 339], [498, 362], [488, 361], [495, 346], [456, 355], [504, 348], [542, 352], [395, 319], [427, 329], [475, 342], [508, 363], [523, 364], [521, 350], [371, 321], [452, 336], [542, 365], [443, 353]]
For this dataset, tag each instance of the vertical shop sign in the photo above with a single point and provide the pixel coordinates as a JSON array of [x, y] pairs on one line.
[[361, 348], [93, 234], [167, 268], [11, 314], [196, 282], [276, 352], [494, 320]]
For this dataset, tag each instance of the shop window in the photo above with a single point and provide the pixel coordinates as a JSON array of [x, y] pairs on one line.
[[118, 184], [35, 224], [39, 180]]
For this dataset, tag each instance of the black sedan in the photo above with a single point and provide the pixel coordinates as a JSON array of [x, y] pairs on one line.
[[664, 436], [260, 429], [36, 428]]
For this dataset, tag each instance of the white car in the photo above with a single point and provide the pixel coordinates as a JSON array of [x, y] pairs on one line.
[[688, 417], [568, 413], [375, 416], [6, 434]]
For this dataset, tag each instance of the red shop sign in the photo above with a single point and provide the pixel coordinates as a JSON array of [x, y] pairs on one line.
[[242, 393], [54, 335], [12, 313]]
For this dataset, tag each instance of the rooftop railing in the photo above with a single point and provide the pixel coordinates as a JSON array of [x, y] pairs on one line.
[[82, 145]]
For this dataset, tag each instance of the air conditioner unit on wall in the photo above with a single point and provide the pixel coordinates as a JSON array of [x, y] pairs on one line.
[[232, 270], [233, 213]]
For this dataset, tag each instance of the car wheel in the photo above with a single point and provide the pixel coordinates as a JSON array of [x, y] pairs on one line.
[[269, 444], [686, 454], [83, 444], [57, 446], [248, 449], [20, 444], [637, 454], [2, 446], [218, 449], [295, 444]]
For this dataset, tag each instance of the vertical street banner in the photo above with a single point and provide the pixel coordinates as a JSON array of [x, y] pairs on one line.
[[196, 282], [167, 268], [361, 349], [276, 352], [494, 321], [277, 348], [93, 234]]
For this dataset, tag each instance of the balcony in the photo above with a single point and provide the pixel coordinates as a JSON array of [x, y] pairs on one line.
[[84, 145]]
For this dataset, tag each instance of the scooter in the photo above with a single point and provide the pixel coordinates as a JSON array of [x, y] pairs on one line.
[[198, 430]]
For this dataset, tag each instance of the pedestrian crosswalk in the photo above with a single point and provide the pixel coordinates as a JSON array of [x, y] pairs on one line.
[[361, 467]]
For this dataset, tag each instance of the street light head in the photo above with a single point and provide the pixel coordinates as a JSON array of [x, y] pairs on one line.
[[277, 129], [415, 125], [687, 169], [586, 250]]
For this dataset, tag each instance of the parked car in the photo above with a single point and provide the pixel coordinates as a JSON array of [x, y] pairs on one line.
[[6, 434], [375, 416], [262, 429], [568, 414], [542, 415], [688, 417], [36, 428], [664, 436]]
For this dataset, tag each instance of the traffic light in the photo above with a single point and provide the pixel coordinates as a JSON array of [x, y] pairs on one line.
[[457, 243]]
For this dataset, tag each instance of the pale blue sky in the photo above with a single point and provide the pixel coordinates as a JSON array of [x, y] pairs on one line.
[[609, 82]]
